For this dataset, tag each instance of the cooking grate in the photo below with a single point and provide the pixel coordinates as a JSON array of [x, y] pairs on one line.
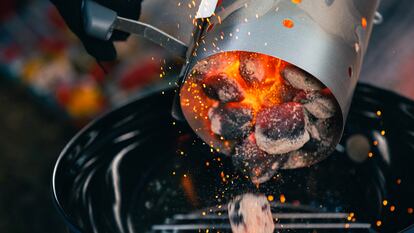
[[287, 217]]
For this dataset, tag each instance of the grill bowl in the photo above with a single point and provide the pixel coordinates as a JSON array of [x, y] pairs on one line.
[[135, 168]]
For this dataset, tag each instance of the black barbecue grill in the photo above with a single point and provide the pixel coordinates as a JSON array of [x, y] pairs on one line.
[[137, 169]]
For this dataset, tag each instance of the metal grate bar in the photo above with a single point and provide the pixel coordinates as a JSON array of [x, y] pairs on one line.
[[183, 227], [196, 216]]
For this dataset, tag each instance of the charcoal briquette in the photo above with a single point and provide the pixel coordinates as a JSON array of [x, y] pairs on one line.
[[320, 106], [202, 69], [232, 120], [288, 93], [252, 69], [250, 213], [281, 129], [223, 88], [259, 165], [300, 79]]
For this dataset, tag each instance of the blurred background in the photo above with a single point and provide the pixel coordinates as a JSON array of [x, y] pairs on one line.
[[50, 87]]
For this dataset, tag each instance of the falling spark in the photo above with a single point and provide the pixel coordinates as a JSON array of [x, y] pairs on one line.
[[378, 223], [288, 23], [364, 22], [270, 198], [282, 198]]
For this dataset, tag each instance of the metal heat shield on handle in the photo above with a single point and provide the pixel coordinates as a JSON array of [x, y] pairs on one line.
[[100, 22]]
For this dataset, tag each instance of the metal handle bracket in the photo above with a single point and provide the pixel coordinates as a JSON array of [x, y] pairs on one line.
[[100, 22]]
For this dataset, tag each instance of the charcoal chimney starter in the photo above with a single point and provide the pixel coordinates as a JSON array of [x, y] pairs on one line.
[[325, 40]]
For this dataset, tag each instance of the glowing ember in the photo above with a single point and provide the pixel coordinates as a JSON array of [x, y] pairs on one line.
[[282, 198], [221, 87], [364, 22], [288, 23], [265, 112]]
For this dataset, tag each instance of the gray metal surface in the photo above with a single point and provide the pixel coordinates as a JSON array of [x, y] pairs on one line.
[[153, 34], [327, 39], [98, 20], [387, 63]]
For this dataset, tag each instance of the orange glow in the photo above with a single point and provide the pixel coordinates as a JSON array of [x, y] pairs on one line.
[[187, 184], [410, 210], [379, 113], [288, 23], [384, 202], [223, 177], [350, 216], [267, 92], [282, 198], [270, 198], [364, 22], [296, 1], [378, 223], [392, 208]]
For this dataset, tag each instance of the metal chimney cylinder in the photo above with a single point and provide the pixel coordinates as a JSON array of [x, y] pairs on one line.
[[325, 38]]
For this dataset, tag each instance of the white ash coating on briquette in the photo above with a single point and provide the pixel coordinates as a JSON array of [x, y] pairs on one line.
[[320, 106], [320, 144], [222, 88], [251, 69], [232, 121], [281, 129], [299, 79], [250, 213], [202, 69]]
